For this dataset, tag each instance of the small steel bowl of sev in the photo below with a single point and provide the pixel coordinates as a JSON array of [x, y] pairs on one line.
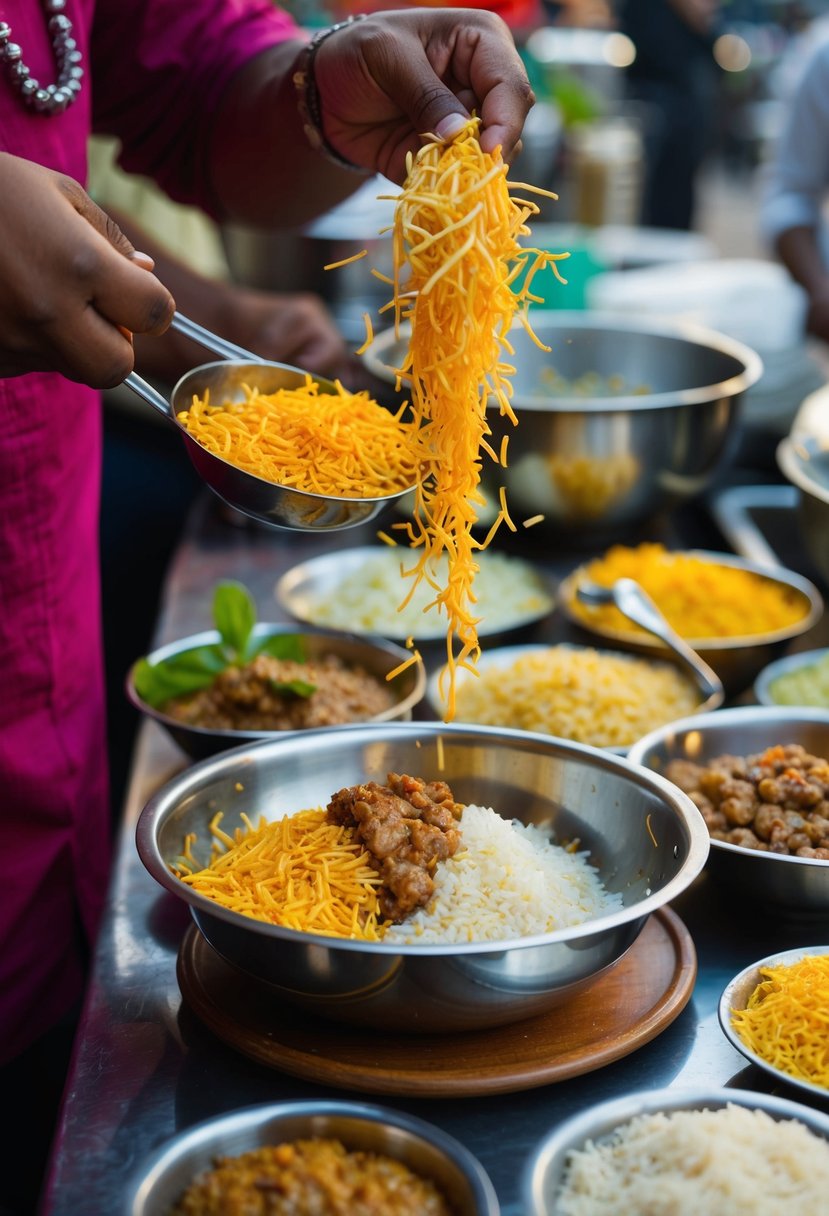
[[634, 839], [245, 425], [682, 1150], [782, 881], [361, 660], [326, 1140], [774, 1013]]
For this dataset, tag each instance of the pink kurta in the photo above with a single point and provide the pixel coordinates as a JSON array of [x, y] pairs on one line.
[[159, 68]]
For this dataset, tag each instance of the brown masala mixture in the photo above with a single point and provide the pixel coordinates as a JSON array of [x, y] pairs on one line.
[[407, 826], [248, 698], [776, 801], [310, 1178]]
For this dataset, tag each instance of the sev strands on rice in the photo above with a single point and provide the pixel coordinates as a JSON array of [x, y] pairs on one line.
[[786, 1019], [340, 443], [300, 872], [457, 261]]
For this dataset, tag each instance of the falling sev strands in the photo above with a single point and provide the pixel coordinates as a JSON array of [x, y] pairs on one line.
[[339, 443], [786, 1019], [457, 265]]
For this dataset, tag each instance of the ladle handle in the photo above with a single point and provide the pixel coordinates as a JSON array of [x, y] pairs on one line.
[[636, 604], [149, 394], [211, 341]]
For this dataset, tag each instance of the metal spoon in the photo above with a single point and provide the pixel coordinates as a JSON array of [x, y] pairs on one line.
[[637, 606], [278, 506]]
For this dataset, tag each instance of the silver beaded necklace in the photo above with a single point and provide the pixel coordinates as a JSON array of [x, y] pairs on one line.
[[54, 98]]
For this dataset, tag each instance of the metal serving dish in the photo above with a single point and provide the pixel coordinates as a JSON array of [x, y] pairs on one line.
[[735, 997], [545, 1172], [788, 665], [320, 579], [645, 837], [736, 660], [375, 655], [804, 460], [594, 463], [794, 884], [428, 1152], [504, 657]]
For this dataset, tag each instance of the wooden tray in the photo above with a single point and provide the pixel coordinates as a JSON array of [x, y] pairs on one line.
[[625, 1008]]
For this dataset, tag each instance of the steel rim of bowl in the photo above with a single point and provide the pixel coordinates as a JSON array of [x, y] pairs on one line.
[[785, 666], [775, 716], [789, 578], [694, 829], [752, 365], [793, 457], [396, 654], [249, 1117], [749, 977], [600, 1120]]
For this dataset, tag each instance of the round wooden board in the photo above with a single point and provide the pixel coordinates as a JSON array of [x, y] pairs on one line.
[[625, 1008]]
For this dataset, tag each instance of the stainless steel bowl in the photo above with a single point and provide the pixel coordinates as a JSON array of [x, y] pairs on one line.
[[791, 884], [645, 837], [801, 661], [545, 1172], [735, 996], [375, 655], [428, 1152], [736, 660], [598, 462], [804, 460]]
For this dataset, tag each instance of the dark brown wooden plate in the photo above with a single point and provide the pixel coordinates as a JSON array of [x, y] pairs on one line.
[[625, 1008]]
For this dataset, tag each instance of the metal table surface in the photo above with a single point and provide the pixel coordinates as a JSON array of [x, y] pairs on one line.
[[145, 1067]]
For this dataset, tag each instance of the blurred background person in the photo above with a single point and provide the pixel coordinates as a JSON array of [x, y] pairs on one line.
[[793, 210], [675, 79]]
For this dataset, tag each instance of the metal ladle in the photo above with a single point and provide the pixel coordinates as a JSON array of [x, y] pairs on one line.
[[265, 501], [637, 606]]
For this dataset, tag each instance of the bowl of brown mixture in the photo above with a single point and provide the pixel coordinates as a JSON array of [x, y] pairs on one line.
[[332, 1157], [297, 680], [760, 777]]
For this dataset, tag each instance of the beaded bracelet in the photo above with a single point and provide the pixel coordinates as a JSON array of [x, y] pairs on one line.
[[308, 97]]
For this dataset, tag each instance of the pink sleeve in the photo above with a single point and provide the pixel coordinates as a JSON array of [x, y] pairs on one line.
[[160, 67]]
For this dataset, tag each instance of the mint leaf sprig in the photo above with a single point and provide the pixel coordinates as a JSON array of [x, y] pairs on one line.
[[234, 615]]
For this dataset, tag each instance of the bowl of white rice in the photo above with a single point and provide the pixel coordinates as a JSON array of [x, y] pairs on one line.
[[718, 1152], [565, 851]]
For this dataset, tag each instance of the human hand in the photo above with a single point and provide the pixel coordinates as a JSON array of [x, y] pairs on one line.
[[295, 328], [386, 81], [72, 288]]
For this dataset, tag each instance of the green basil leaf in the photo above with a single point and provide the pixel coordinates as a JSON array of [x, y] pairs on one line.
[[294, 688], [234, 614], [280, 646], [157, 683]]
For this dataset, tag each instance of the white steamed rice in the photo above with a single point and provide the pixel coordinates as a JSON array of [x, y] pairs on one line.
[[506, 881]]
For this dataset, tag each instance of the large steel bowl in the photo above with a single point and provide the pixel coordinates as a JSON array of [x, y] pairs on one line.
[[646, 838], [804, 460], [598, 462], [793, 885]]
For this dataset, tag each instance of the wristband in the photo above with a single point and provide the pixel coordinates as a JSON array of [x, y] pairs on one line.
[[308, 98]]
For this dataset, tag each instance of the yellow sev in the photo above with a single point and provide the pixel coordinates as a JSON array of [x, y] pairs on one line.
[[456, 262], [300, 872], [786, 1019], [339, 443]]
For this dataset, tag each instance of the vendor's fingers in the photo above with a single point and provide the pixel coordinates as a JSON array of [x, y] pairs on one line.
[[95, 216], [125, 293], [88, 348]]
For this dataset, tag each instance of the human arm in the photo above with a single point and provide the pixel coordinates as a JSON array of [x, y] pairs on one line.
[[70, 281], [383, 82], [292, 327]]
